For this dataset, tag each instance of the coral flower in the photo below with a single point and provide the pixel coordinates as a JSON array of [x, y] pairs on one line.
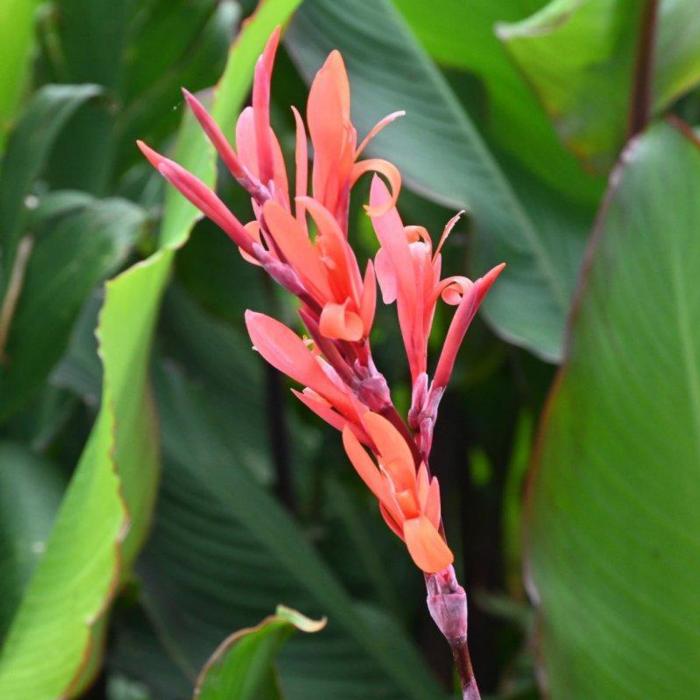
[[335, 368], [334, 365], [409, 500]]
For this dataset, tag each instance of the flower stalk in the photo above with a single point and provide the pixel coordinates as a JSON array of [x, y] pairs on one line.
[[337, 301]]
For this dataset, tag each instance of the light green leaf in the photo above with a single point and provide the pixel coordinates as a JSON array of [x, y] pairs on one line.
[[441, 154], [582, 60], [49, 642], [614, 523], [16, 44], [242, 667], [52, 648], [510, 113], [64, 266]]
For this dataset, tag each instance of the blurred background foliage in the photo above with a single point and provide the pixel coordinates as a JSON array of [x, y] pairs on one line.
[[159, 486]]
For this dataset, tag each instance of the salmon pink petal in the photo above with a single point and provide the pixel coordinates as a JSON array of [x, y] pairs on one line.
[[301, 161], [201, 196], [328, 116], [426, 546], [422, 485], [292, 239], [385, 276], [338, 323], [390, 521], [368, 302], [286, 351], [340, 258], [391, 445], [261, 108], [253, 228], [408, 503], [322, 408], [389, 171], [390, 232], [216, 136], [364, 465], [432, 505], [460, 323], [246, 141]]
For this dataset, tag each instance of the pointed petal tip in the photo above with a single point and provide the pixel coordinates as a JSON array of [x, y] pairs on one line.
[[490, 277], [154, 158]]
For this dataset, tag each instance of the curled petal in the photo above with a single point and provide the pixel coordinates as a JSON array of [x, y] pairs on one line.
[[426, 546], [389, 171], [408, 503], [448, 229], [377, 128], [338, 323], [460, 322], [248, 155], [453, 289]]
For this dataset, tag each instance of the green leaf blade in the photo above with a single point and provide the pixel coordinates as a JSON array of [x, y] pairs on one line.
[[613, 531]]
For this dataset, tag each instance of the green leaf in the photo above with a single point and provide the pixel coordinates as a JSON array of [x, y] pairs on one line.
[[27, 150], [242, 668], [30, 491], [223, 550], [582, 60], [441, 154], [52, 648], [65, 264], [49, 642], [510, 113], [16, 44], [614, 523]]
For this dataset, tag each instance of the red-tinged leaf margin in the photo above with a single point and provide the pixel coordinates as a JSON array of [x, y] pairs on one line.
[[27, 644], [533, 478]]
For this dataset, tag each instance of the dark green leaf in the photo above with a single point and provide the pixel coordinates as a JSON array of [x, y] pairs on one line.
[[64, 266], [30, 491], [27, 150], [614, 531]]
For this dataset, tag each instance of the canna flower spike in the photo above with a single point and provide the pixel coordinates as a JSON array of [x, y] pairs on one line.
[[337, 301]]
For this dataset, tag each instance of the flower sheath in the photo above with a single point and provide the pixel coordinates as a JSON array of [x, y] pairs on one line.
[[341, 383]]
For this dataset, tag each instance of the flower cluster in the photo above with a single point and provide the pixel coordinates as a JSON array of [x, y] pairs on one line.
[[334, 364]]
